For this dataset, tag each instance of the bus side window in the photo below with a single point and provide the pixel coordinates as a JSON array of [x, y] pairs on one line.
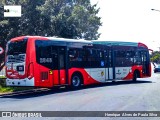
[[137, 58], [120, 58], [72, 54], [44, 54], [76, 57], [129, 58], [92, 55]]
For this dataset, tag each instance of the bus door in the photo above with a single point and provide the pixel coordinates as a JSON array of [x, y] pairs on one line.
[[62, 66], [145, 62], [52, 65], [109, 65]]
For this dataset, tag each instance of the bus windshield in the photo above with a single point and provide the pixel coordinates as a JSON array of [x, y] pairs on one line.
[[17, 47]]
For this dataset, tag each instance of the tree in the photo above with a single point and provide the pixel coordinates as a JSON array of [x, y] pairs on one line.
[[3, 24], [155, 57], [72, 18], [62, 18], [25, 25]]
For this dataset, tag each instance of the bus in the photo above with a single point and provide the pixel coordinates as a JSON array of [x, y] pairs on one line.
[[49, 61]]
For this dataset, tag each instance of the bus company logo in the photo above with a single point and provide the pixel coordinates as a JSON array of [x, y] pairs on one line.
[[118, 72], [102, 73], [12, 11]]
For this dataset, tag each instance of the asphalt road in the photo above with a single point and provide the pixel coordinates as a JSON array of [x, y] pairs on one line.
[[143, 95]]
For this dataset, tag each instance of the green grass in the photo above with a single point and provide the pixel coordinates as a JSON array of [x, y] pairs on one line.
[[4, 89], [2, 77]]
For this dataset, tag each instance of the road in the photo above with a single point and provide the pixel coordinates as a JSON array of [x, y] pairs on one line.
[[143, 95]]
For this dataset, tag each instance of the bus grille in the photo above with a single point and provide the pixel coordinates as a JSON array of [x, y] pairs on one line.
[[16, 58]]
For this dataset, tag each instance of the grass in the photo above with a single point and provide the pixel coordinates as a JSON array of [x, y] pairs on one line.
[[2, 77], [4, 89]]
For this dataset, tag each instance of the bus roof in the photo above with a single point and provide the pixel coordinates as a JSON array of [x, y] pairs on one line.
[[102, 42], [68, 40], [54, 39], [119, 43]]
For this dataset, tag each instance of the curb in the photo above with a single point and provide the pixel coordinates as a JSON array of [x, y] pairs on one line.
[[24, 92]]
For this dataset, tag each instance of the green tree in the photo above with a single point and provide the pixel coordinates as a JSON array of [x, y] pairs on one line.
[[71, 18], [155, 57], [12, 27], [61, 18]]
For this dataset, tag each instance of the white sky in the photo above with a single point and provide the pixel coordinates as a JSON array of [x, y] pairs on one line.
[[130, 20]]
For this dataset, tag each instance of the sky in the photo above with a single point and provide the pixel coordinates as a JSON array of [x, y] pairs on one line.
[[130, 20]]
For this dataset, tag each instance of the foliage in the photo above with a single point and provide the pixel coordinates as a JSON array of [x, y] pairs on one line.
[[3, 88], [155, 57], [62, 18]]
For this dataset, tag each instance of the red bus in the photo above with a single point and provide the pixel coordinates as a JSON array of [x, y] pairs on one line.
[[48, 61]]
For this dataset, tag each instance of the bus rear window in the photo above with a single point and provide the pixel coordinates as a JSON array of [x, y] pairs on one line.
[[17, 47]]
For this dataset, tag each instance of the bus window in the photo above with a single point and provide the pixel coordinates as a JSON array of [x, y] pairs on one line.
[[46, 54], [72, 54], [120, 57], [129, 58], [61, 58], [95, 58], [77, 57], [137, 58], [123, 58]]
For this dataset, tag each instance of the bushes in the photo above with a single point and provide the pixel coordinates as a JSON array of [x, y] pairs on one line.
[[3, 87], [2, 82]]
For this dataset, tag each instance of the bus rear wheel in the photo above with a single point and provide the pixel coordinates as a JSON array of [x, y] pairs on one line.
[[76, 81]]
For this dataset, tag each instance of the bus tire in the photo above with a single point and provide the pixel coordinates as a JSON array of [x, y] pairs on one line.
[[76, 80], [135, 76]]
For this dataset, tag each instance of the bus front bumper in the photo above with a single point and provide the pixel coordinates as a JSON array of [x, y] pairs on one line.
[[20, 82]]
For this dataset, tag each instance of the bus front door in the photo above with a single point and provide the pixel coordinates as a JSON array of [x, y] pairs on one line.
[[145, 62], [62, 66]]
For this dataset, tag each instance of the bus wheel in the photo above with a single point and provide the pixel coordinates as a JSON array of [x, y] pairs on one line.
[[135, 75], [76, 81]]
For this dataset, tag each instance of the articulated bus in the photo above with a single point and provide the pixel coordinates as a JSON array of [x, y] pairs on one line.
[[49, 62]]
